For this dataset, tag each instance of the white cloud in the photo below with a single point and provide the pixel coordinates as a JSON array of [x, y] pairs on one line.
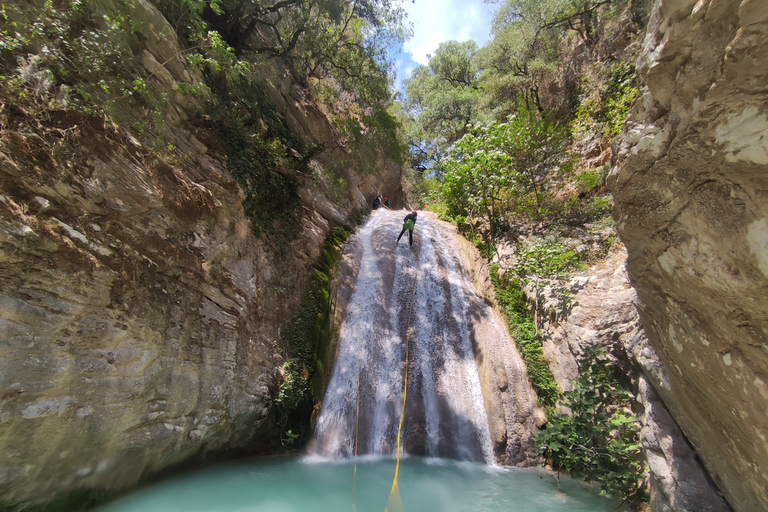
[[436, 21]]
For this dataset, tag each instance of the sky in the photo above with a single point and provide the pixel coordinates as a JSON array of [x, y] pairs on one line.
[[437, 21]]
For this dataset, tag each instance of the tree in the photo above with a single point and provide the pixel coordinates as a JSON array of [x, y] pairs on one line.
[[501, 167], [521, 58], [476, 173], [442, 100], [318, 38], [524, 59]]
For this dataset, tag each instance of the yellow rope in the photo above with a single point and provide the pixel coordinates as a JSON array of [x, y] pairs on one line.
[[395, 503], [357, 418]]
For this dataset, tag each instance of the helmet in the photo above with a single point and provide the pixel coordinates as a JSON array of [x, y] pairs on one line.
[[414, 212]]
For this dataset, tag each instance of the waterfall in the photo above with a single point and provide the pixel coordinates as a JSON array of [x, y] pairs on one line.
[[422, 295]]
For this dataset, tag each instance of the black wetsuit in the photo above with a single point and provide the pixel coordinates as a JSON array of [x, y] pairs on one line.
[[410, 216]]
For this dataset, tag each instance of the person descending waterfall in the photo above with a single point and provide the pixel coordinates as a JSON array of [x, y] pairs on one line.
[[377, 202], [408, 223]]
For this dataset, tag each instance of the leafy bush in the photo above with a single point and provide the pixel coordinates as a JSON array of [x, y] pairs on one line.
[[544, 260], [590, 179], [512, 301], [599, 439], [500, 168]]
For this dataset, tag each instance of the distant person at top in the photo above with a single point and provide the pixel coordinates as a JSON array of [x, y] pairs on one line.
[[386, 202], [408, 223], [377, 202]]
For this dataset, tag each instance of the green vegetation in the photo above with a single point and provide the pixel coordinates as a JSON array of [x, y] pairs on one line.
[[259, 156], [497, 169], [514, 305], [308, 334], [543, 263], [518, 137], [598, 440], [522, 129], [71, 64]]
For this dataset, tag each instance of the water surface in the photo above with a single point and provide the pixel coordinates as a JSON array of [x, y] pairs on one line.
[[307, 485]]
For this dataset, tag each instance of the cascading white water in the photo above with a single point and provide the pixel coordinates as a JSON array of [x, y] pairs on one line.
[[422, 295], [445, 414], [419, 294]]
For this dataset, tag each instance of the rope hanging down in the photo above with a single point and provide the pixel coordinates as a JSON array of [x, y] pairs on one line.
[[395, 503], [357, 417]]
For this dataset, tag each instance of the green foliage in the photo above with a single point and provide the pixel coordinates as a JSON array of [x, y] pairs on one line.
[[591, 179], [525, 57], [262, 156], [544, 260], [477, 172], [67, 57], [308, 334], [80, 56], [622, 90], [290, 437], [346, 42], [294, 388], [599, 439], [498, 169], [592, 208], [340, 188], [186, 16], [605, 102], [441, 100], [513, 304], [558, 75]]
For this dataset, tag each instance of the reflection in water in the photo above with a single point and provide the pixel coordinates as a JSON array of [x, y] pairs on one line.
[[303, 485]]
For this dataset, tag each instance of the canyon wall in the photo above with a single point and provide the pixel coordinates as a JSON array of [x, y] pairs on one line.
[[691, 196], [139, 313], [601, 311]]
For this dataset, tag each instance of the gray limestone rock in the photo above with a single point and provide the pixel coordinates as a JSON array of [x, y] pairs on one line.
[[691, 196], [602, 311], [139, 315]]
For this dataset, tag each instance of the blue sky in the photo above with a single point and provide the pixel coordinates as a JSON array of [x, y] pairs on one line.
[[436, 21]]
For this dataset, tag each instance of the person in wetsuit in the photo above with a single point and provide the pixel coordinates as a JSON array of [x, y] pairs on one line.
[[408, 224]]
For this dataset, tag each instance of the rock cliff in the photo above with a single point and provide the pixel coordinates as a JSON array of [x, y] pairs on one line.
[[691, 207], [602, 312], [139, 314]]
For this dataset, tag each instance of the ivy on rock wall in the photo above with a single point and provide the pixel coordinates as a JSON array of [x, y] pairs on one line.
[[263, 155], [308, 334]]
